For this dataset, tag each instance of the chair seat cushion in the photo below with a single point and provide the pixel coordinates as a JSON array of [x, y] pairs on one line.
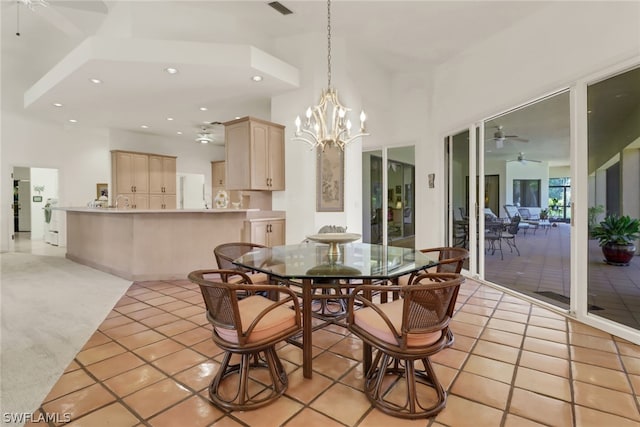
[[277, 320], [255, 278], [371, 322]]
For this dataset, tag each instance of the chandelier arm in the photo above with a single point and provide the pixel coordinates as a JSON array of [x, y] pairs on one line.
[[312, 144], [319, 117]]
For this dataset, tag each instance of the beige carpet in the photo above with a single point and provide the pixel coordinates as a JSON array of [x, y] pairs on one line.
[[49, 307]]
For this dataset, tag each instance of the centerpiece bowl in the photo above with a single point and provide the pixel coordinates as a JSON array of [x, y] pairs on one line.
[[334, 239]]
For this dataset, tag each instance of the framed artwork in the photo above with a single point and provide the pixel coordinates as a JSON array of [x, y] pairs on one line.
[[330, 179], [102, 189], [37, 199]]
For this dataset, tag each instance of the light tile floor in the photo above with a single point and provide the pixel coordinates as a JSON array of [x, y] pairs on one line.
[[512, 364]]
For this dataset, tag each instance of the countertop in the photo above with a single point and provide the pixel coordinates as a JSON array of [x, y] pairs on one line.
[[145, 211]]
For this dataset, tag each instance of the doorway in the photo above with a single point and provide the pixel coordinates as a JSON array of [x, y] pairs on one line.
[[35, 191]]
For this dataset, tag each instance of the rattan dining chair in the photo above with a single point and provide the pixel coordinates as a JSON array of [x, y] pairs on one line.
[[401, 332], [248, 326], [227, 252]]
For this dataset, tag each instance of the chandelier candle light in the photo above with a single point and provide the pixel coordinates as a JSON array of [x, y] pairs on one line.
[[320, 129]]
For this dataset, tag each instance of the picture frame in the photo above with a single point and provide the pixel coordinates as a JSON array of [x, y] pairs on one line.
[[330, 179], [102, 189], [37, 199]]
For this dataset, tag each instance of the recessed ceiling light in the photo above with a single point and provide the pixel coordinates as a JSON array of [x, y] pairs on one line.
[[237, 117], [203, 108], [96, 81], [73, 120], [588, 111], [179, 133], [57, 104], [171, 70], [256, 78], [144, 126], [170, 118]]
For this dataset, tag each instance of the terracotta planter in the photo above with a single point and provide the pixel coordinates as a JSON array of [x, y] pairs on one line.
[[618, 254]]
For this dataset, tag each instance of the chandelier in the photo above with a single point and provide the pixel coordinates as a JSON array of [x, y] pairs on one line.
[[327, 123]]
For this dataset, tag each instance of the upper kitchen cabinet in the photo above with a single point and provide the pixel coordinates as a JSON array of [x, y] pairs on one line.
[[129, 172], [255, 155], [146, 180], [162, 174]]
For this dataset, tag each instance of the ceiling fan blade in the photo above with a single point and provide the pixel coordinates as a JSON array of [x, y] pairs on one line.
[[516, 138]]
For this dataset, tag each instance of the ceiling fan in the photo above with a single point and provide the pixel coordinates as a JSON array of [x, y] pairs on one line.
[[521, 159], [499, 136], [210, 132], [53, 11]]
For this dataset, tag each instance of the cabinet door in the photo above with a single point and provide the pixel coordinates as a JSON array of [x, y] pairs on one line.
[[259, 232], [140, 173], [260, 156], [156, 201], [276, 158], [169, 175], [276, 232], [217, 176], [139, 201], [156, 178], [124, 173], [170, 201]]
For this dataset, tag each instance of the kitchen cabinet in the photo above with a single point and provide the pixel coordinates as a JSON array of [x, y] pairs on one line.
[[255, 148], [129, 172], [146, 180], [162, 174], [265, 231]]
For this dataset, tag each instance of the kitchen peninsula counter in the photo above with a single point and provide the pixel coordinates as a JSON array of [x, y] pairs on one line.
[[146, 244]]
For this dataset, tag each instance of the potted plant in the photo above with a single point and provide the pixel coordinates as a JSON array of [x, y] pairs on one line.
[[544, 214], [617, 235]]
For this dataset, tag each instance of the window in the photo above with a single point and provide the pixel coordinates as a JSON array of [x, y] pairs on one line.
[[526, 192]]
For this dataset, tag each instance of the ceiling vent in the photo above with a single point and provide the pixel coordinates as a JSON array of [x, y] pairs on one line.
[[280, 8]]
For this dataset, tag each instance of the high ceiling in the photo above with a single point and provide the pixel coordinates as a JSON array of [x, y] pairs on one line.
[[135, 91], [136, 41]]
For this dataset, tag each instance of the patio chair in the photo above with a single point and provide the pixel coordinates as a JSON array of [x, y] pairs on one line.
[[493, 235], [528, 218], [512, 212], [509, 235], [411, 328]]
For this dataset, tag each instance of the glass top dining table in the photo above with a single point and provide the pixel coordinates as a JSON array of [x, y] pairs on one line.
[[310, 265]]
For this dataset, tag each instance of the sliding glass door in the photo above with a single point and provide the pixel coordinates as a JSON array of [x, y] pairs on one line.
[[511, 192], [613, 124], [389, 196]]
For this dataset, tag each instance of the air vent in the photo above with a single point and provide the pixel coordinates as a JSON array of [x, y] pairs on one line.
[[280, 8]]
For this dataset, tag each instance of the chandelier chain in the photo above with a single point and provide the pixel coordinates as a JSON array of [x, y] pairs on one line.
[[329, 43]]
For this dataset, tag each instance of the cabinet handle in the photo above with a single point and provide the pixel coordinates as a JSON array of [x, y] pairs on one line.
[[220, 182], [267, 182]]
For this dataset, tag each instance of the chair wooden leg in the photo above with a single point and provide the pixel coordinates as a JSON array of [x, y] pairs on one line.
[[380, 392], [241, 399]]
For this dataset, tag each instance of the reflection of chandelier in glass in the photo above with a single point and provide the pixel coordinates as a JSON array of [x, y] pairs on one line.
[[319, 129]]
